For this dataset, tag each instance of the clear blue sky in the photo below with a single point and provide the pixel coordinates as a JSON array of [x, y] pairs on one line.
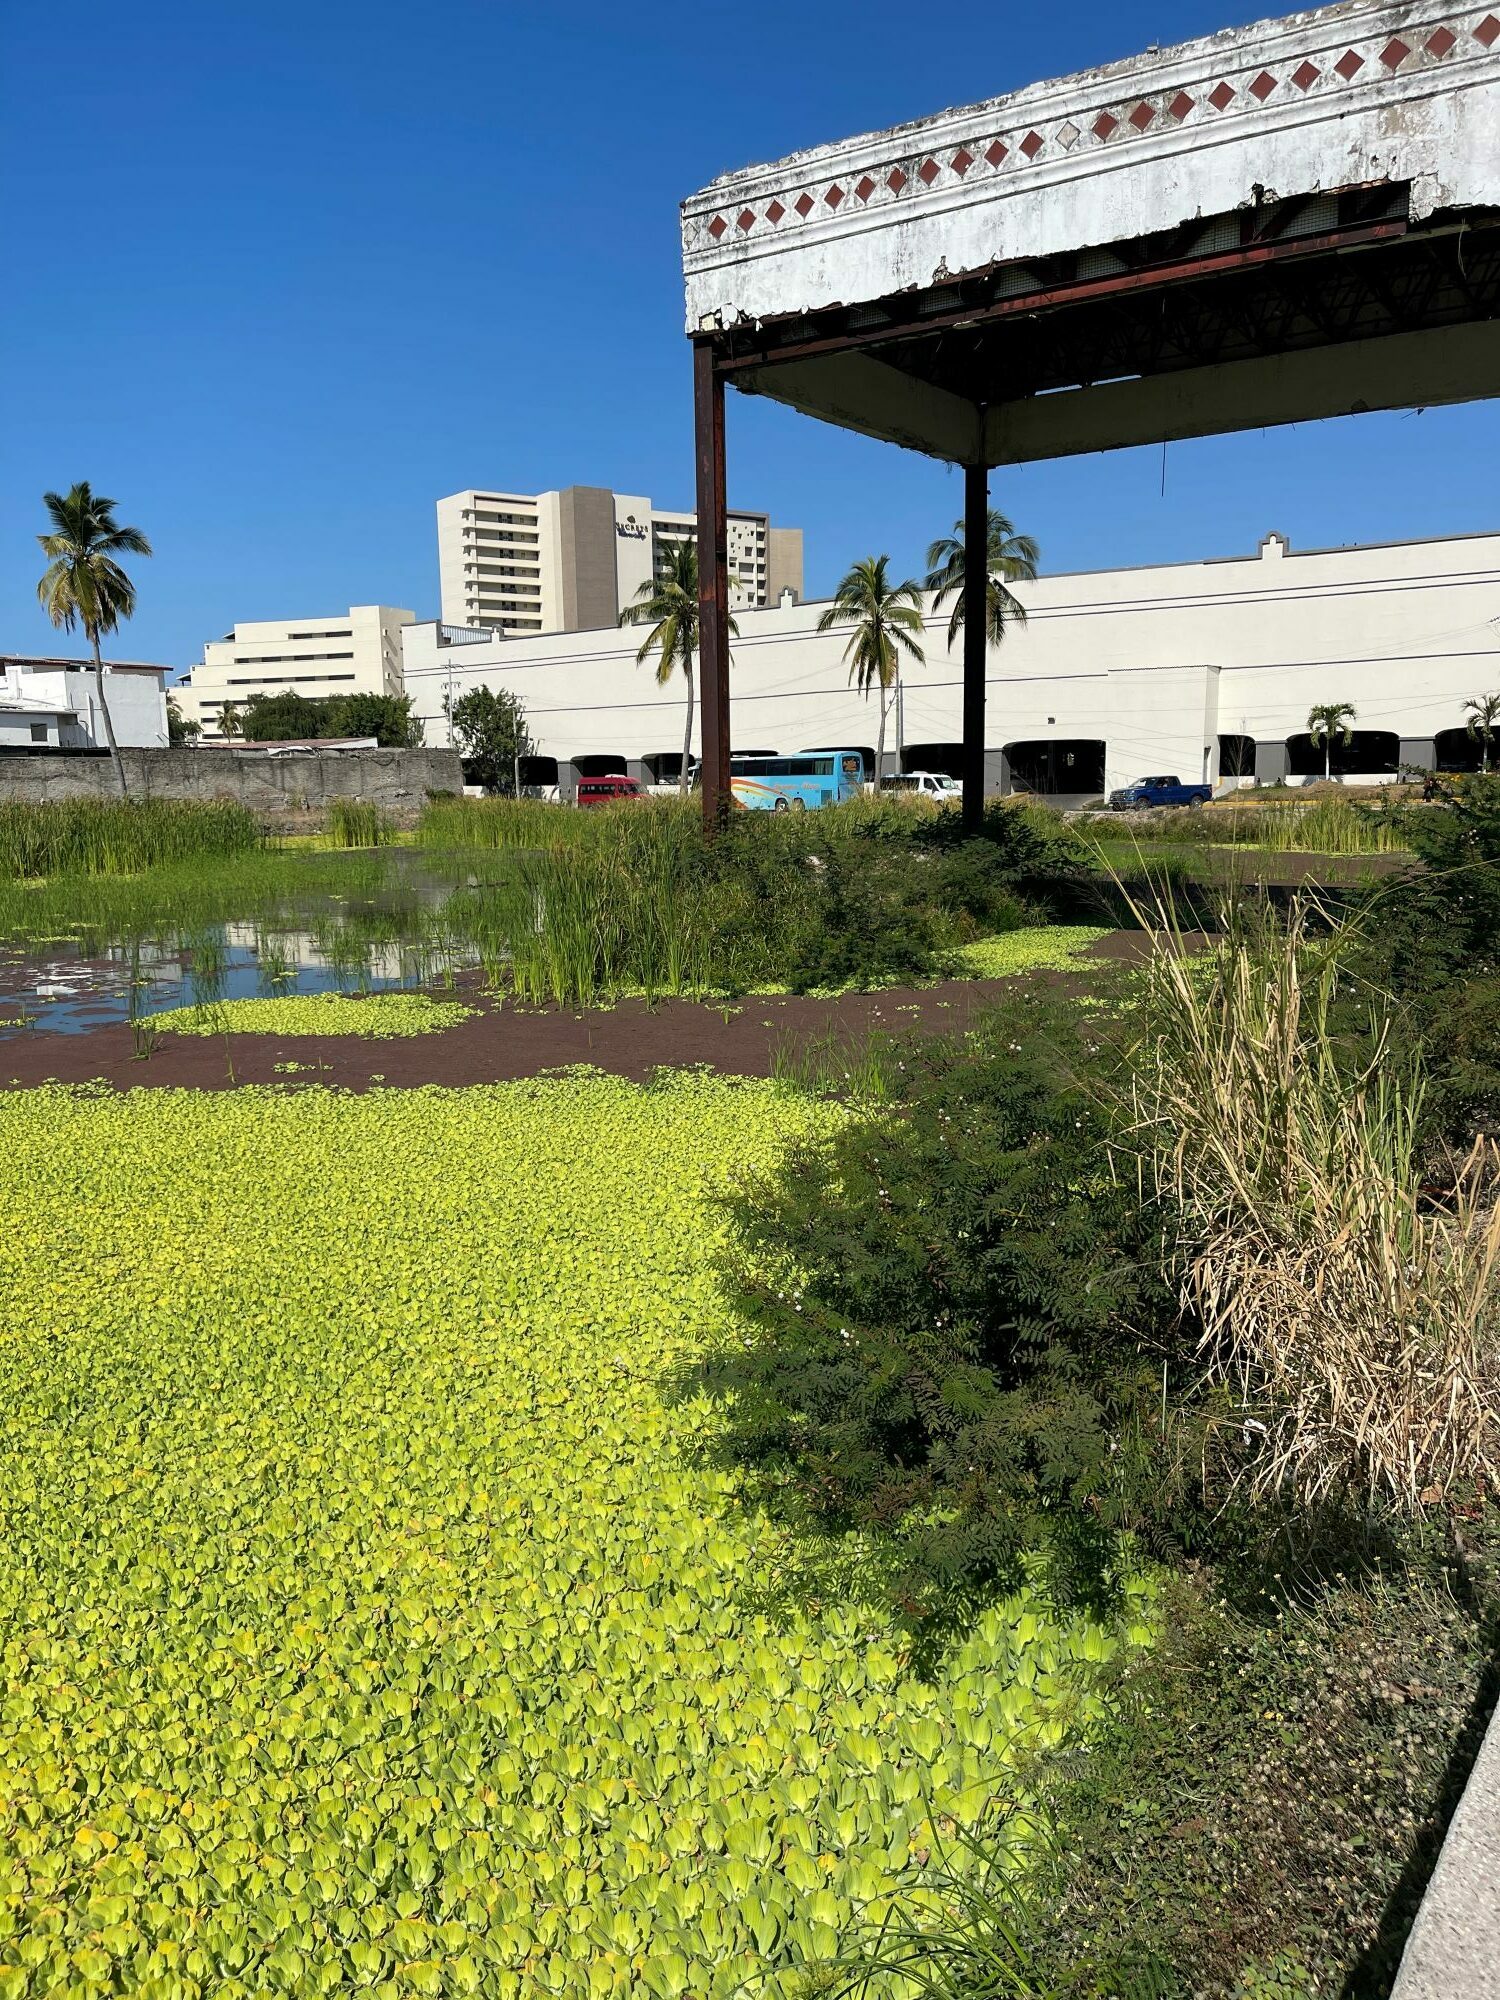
[[279, 274]]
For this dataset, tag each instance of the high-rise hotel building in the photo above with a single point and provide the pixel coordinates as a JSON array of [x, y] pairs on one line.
[[573, 560]]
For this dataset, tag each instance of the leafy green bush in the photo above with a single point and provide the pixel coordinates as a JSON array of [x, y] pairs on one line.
[[1274, 1783], [948, 1297], [1430, 942]]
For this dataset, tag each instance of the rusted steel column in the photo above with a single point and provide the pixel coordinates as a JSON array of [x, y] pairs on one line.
[[713, 583], [976, 613]]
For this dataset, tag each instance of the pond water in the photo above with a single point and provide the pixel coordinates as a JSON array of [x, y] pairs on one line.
[[409, 922]]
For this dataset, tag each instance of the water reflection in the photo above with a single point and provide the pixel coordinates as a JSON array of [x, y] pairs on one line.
[[67, 990]]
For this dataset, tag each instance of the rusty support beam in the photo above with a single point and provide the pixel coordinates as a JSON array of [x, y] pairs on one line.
[[713, 582], [976, 620]]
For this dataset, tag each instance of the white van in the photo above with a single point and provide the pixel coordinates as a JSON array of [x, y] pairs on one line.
[[935, 785]]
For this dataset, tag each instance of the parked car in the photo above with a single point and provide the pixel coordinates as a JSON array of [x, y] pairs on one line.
[[936, 785], [604, 791], [1158, 792]]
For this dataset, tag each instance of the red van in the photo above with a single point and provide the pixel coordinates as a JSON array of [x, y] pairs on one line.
[[604, 791]]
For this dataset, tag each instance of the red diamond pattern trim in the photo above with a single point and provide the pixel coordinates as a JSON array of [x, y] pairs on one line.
[[1440, 43]]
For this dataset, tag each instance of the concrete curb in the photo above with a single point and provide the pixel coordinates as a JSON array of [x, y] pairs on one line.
[[1453, 1952]]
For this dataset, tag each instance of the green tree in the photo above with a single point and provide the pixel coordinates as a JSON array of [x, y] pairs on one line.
[[1327, 720], [179, 729], [231, 723], [285, 717], [386, 717], [1484, 714], [669, 604], [490, 725], [83, 583], [1012, 559], [887, 621]]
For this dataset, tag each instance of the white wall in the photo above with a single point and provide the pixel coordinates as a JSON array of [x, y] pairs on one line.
[[1158, 661], [137, 704]]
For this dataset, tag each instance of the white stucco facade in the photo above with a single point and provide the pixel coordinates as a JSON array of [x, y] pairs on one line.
[[57, 696], [348, 652], [1335, 97], [1160, 665]]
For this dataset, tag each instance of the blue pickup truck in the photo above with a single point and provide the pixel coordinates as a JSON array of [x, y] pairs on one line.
[[1158, 792]]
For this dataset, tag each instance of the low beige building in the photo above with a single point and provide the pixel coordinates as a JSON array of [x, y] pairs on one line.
[[1206, 670], [351, 652], [572, 560]]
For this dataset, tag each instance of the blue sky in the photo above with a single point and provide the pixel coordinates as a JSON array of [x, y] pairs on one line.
[[280, 274]]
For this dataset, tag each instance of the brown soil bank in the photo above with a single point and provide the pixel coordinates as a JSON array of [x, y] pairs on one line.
[[740, 1038]]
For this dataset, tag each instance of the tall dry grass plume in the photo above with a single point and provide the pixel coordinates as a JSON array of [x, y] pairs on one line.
[[1353, 1323]]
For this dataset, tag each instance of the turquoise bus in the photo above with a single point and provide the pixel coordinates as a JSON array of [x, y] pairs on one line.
[[793, 784]]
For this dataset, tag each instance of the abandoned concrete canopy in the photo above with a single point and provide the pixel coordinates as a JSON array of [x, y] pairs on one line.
[[1249, 200], [1293, 220]]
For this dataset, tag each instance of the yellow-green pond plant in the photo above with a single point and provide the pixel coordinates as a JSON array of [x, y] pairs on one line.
[[371, 1015], [373, 1615]]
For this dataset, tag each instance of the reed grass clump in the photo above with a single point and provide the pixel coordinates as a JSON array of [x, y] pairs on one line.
[[1334, 824], [356, 823], [119, 836], [1353, 1323]]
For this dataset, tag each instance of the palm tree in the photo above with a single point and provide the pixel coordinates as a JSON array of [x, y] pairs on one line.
[[669, 602], [83, 584], [1327, 720], [1484, 714], [1013, 559], [230, 725], [886, 617]]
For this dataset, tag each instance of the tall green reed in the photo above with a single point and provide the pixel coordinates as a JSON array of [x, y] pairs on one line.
[[119, 836]]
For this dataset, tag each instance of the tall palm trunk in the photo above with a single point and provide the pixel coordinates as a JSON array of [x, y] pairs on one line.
[[687, 735], [880, 744], [1327, 760], [109, 722]]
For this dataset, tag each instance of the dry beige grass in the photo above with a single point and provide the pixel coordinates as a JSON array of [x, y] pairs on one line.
[[1355, 1326]]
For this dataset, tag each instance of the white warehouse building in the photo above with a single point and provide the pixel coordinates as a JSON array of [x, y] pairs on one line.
[[1206, 670]]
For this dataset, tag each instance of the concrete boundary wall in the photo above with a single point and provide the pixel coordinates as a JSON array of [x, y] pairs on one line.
[[1453, 1952], [301, 780]]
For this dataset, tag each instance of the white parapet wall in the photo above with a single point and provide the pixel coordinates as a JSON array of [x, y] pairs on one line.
[[1339, 97], [1159, 664]]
